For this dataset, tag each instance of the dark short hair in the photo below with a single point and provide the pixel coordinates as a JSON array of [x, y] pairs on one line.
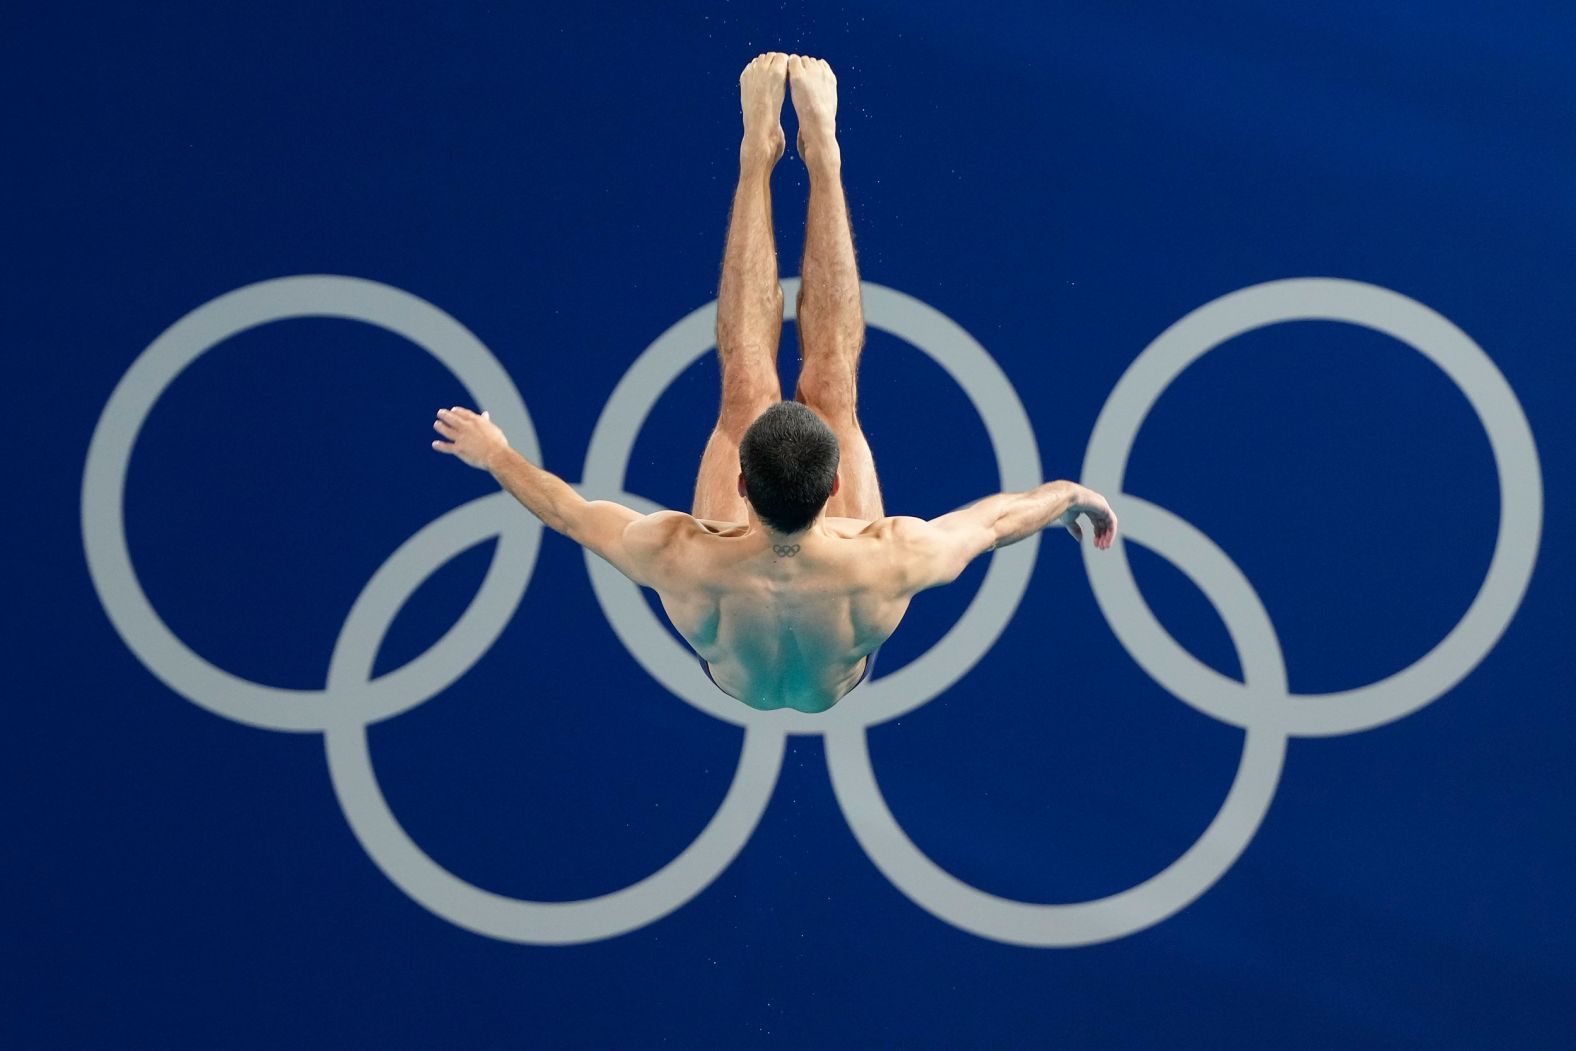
[[789, 459]]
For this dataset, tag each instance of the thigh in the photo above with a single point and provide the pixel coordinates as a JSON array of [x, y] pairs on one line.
[[829, 385], [717, 483], [859, 490], [749, 388]]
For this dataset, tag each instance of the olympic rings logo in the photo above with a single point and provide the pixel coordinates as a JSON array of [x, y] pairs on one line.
[[1261, 704]]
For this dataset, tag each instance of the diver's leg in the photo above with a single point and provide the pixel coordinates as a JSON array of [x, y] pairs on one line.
[[831, 319], [750, 298]]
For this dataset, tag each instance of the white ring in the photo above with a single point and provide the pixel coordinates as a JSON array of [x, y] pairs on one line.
[[1515, 457], [496, 915], [109, 455], [948, 898]]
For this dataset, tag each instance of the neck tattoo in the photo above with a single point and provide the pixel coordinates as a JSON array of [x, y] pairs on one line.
[[786, 550]]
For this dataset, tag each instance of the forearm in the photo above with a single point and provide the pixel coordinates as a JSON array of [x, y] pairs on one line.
[[545, 495], [1024, 514]]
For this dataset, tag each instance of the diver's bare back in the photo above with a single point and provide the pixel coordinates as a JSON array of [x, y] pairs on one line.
[[780, 625]]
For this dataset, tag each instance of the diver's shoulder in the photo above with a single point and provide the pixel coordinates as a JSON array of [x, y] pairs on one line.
[[662, 534], [850, 528], [896, 529], [889, 542], [667, 525]]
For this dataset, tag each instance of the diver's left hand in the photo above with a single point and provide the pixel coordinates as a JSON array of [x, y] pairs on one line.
[[474, 439], [1090, 503]]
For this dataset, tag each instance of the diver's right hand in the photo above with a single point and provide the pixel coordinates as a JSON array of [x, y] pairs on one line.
[[474, 439]]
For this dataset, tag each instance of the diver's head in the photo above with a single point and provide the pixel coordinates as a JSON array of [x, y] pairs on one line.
[[788, 466]]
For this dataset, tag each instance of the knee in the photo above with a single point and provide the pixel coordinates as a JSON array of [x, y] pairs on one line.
[[830, 392], [742, 405]]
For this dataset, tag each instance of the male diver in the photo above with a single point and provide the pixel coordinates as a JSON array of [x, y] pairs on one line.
[[787, 575]]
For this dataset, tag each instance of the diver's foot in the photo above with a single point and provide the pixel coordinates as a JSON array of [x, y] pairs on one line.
[[815, 101], [761, 89]]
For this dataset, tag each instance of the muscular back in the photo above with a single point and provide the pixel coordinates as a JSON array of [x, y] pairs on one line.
[[780, 628]]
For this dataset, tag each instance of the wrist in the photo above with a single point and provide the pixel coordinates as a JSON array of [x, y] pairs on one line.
[[1070, 492], [496, 457]]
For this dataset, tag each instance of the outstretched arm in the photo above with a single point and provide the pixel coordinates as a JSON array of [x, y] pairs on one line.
[[600, 525], [939, 550]]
